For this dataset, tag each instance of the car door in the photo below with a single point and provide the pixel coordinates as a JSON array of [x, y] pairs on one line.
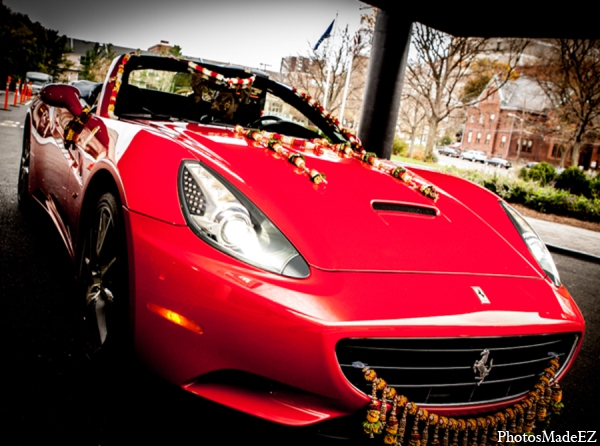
[[51, 158]]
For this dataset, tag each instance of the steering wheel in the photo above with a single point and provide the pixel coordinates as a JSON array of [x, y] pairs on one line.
[[260, 121]]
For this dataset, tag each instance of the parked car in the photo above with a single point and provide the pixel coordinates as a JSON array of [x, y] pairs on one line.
[[271, 265], [499, 162], [38, 80], [449, 151], [474, 156]]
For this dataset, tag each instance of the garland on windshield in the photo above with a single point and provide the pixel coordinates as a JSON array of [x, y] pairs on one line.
[[229, 82], [356, 150], [115, 91], [519, 419]]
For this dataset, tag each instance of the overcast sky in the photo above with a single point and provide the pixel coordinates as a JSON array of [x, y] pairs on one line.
[[250, 32]]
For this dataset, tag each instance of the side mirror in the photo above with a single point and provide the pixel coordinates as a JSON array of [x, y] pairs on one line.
[[64, 96]]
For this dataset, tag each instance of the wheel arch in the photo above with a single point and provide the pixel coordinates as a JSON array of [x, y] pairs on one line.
[[103, 181]]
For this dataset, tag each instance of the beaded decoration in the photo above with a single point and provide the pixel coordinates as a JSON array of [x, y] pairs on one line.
[[356, 150], [534, 411], [286, 145], [230, 82], [276, 144], [117, 86]]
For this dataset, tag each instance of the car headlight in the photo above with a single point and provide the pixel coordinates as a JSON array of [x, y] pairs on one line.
[[223, 217], [534, 243]]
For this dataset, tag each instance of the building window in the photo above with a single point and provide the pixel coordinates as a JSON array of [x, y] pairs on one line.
[[527, 146], [487, 139], [478, 139], [557, 150], [492, 117], [470, 135], [503, 142], [275, 107], [481, 116], [472, 119]]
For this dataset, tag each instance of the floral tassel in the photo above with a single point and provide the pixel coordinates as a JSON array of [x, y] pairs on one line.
[[453, 425], [391, 428], [462, 427], [556, 403], [435, 420], [530, 416], [485, 424], [383, 410], [402, 424], [415, 438], [372, 425], [425, 433], [542, 406], [473, 426]]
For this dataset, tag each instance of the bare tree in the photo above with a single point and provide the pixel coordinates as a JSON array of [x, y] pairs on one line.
[[411, 118], [310, 72], [440, 67], [570, 75]]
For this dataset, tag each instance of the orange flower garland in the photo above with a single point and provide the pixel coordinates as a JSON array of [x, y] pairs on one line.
[[268, 141], [519, 419], [115, 91], [230, 82], [278, 142], [356, 150]]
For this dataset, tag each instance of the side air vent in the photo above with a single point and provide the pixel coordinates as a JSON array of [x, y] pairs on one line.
[[404, 208]]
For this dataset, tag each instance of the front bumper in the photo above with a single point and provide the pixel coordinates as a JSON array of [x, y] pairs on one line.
[[268, 343]]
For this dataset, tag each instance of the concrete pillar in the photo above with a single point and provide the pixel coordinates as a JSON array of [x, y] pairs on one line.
[[387, 64]]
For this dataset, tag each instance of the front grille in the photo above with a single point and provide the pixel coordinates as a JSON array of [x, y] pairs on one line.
[[440, 371]]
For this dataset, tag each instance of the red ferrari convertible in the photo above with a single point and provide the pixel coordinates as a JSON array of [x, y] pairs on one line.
[[255, 254]]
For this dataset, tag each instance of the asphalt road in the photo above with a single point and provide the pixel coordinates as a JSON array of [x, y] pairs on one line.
[[51, 393]]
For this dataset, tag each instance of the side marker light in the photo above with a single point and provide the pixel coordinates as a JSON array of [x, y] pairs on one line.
[[176, 318]]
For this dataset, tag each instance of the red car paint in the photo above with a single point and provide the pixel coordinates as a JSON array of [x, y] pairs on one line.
[[268, 342]]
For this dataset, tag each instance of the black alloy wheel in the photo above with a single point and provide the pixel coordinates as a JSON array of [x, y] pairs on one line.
[[103, 278]]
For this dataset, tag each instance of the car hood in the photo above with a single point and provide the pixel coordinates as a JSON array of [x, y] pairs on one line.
[[361, 219]]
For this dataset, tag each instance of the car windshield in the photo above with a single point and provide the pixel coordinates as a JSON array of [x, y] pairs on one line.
[[169, 89]]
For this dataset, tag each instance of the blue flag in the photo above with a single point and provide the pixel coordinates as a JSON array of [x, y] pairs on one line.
[[325, 35]]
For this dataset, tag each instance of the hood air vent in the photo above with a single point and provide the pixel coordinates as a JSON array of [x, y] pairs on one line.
[[404, 208]]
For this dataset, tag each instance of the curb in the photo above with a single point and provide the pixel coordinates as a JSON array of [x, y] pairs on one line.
[[573, 253]]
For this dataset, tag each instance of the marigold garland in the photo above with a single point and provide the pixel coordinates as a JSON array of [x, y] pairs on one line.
[[356, 150], [230, 82], [76, 125], [520, 418], [115, 91], [274, 143]]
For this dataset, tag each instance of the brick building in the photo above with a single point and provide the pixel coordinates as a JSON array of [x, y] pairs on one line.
[[510, 123]]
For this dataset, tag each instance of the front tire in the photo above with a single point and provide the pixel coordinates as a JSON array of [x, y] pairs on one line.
[[103, 278]]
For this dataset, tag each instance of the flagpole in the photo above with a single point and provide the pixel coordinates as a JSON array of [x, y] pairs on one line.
[[346, 85], [327, 64]]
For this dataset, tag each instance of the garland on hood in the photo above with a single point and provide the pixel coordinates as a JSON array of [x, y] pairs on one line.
[[274, 142], [519, 419], [284, 145], [356, 150]]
